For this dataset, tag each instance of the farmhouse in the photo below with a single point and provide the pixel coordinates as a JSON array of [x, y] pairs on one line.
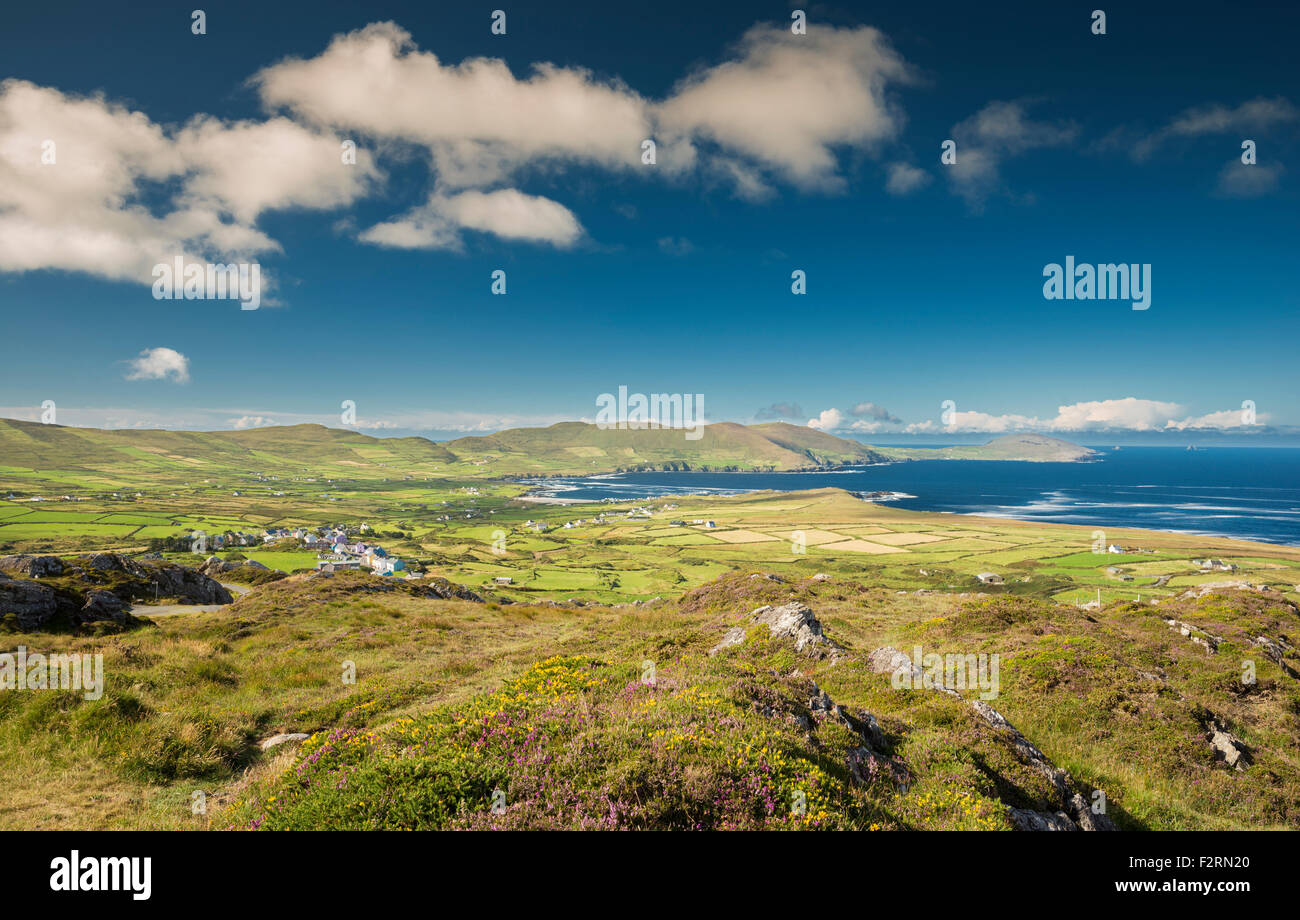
[[989, 578]]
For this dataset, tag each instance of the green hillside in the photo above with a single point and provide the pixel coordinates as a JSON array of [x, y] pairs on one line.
[[574, 447], [133, 455]]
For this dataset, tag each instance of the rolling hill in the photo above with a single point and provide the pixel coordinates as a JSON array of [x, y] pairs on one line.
[[133, 454], [575, 447]]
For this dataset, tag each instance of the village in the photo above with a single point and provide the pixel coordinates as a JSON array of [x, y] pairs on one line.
[[341, 550]]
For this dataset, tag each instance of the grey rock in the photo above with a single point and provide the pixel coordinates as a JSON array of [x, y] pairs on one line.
[[734, 636], [33, 604], [35, 566], [1228, 747], [102, 605], [276, 740], [796, 621], [1026, 820]]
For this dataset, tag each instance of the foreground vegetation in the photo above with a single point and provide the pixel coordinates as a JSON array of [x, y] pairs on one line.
[[461, 714]]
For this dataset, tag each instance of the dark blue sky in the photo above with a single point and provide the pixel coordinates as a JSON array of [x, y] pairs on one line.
[[681, 283]]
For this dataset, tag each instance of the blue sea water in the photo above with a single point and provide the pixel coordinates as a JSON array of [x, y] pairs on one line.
[[1242, 492]]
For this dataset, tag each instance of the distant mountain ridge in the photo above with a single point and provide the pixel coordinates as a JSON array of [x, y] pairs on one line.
[[566, 448], [576, 447]]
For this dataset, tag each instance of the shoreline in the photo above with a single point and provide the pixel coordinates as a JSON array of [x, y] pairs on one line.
[[885, 497]]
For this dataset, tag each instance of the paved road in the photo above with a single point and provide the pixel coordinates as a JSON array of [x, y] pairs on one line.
[[167, 610]]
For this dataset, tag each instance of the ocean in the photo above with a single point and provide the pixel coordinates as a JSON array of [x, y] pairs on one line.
[[1242, 492]]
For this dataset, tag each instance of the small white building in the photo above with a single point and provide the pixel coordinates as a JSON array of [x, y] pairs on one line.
[[990, 578]]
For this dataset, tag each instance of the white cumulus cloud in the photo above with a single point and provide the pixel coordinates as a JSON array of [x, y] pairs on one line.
[[160, 364]]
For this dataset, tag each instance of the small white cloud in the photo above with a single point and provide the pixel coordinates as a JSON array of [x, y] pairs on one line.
[[996, 132], [828, 420], [250, 421], [904, 178], [1254, 115], [676, 246], [1237, 180], [872, 419], [160, 364], [507, 213]]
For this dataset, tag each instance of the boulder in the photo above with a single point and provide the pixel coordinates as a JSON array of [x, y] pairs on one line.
[[1227, 747], [797, 622]]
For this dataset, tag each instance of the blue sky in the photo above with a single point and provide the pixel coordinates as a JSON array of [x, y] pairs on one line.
[[776, 153]]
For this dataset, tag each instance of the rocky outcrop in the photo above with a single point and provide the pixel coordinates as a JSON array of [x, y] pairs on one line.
[[1277, 650], [794, 621], [447, 590], [33, 604], [1075, 812], [95, 588], [1199, 636], [32, 566], [188, 584], [871, 756]]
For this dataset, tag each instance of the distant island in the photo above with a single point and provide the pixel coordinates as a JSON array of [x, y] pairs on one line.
[[1037, 448]]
